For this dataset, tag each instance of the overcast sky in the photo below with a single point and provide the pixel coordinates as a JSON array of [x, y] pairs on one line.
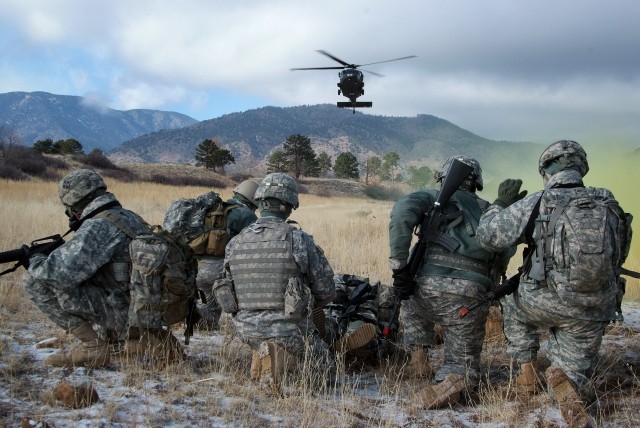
[[517, 70]]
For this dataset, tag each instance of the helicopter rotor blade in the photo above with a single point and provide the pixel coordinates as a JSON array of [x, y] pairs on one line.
[[317, 68], [388, 60], [346, 64], [372, 72]]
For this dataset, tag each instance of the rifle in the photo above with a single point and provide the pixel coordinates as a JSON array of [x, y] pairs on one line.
[[358, 295], [507, 287], [432, 228], [21, 255]]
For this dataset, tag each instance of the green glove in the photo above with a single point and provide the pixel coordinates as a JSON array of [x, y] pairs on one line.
[[509, 192]]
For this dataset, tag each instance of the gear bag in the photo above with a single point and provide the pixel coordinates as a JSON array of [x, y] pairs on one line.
[[163, 279], [577, 244], [200, 223]]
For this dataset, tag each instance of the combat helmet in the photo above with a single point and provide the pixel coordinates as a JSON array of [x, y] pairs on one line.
[[78, 185], [473, 183], [279, 186], [570, 154], [247, 189]]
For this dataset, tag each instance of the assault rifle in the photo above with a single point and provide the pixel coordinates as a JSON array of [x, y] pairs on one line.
[[21, 255], [360, 294], [507, 287], [432, 228]]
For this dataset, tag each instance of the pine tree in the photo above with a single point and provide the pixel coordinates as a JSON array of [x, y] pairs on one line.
[[211, 156]]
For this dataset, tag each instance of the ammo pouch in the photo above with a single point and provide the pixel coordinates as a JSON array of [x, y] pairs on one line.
[[297, 297], [217, 242], [225, 295]]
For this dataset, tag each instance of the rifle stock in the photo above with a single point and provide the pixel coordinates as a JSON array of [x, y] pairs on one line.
[[507, 287]]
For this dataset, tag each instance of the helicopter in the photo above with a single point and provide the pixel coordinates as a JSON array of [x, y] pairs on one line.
[[351, 84]]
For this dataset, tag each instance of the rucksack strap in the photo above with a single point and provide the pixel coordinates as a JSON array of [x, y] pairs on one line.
[[117, 220]]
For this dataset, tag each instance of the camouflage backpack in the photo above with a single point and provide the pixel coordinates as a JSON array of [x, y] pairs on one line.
[[578, 236], [200, 223], [163, 280]]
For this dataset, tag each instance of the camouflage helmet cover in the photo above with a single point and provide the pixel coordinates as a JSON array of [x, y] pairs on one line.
[[476, 175], [570, 151], [79, 184], [279, 186], [247, 189]]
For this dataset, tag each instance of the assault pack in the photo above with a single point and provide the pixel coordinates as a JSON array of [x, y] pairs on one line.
[[200, 223], [578, 246], [163, 281]]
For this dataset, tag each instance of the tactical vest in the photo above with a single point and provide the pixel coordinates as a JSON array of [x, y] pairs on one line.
[[261, 264], [469, 260]]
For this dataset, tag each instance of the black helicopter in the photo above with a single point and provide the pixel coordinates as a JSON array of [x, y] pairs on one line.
[[351, 83]]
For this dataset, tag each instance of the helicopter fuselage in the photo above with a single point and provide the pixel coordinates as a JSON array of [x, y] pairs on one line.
[[351, 83]]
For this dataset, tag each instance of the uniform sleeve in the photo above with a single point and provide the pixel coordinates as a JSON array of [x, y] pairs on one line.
[[406, 214], [239, 218], [78, 259], [314, 266], [500, 229]]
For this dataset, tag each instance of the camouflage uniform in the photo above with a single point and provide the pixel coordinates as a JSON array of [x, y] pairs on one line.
[[445, 282], [309, 263], [210, 268], [575, 329], [87, 278]]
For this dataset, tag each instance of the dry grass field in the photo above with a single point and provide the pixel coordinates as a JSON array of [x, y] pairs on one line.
[[213, 388]]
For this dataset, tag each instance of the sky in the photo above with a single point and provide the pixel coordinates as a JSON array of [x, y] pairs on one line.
[[516, 70]]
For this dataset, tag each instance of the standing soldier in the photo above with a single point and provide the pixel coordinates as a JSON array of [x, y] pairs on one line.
[[239, 212], [278, 274], [446, 281], [578, 238], [86, 280]]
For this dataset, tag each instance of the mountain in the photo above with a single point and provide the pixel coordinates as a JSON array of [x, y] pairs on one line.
[[40, 115], [252, 135]]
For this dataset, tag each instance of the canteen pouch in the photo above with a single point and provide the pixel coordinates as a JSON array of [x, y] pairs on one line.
[[297, 298], [225, 295]]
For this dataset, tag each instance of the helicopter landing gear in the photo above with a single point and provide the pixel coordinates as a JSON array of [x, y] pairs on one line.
[[339, 92]]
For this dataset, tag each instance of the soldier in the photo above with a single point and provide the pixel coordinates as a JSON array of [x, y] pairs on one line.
[[546, 297], [278, 275], [445, 282], [86, 280], [239, 215]]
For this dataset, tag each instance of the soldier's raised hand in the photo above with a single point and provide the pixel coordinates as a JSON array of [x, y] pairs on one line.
[[509, 192]]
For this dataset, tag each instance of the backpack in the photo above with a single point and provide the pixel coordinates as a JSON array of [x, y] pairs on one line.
[[580, 243], [200, 223], [163, 280]]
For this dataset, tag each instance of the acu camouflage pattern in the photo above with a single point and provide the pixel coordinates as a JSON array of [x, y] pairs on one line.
[[262, 264], [464, 337], [78, 184], [256, 326], [77, 282], [577, 328], [163, 280], [280, 186]]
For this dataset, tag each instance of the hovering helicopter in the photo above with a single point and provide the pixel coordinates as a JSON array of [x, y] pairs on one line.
[[351, 83]]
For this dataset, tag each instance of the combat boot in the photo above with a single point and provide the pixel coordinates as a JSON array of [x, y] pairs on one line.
[[528, 381], [444, 393], [94, 352], [275, 361], [256, 366], [358, 338], [573, 409], [418, 366], [161, 346]]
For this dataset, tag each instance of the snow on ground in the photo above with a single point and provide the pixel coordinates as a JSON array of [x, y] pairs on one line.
[[213, 390]]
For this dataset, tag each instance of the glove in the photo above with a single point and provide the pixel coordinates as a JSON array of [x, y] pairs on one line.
[[403, 286], [508, 192]]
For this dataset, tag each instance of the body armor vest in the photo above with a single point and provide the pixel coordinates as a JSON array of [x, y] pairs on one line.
[[261, 265]]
